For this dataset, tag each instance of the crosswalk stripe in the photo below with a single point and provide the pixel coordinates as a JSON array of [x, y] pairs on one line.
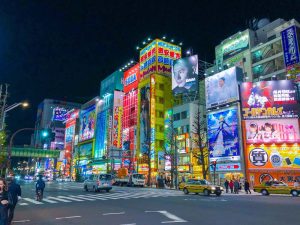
[[49, 201], [23, 203], [82, 197], [33, 201], [59, 199], [70, 198]]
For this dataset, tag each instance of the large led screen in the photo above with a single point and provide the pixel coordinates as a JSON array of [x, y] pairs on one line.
[[272, 131], [223, 138], [269, 99], [185, 75], [87, 123], [145, 119], [222, 88], [131, 78]]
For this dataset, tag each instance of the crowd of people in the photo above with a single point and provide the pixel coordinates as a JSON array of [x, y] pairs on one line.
[[235, 186]]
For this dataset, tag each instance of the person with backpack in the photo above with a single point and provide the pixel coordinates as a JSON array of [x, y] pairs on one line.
[[3, 202], [40, 185], [14, 194]]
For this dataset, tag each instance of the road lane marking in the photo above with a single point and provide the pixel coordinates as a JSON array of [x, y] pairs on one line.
[[128, 224], [33, 201], [174, 219], [59, 199], [67, 217], [118, 213], [49, 201], [82, 197], [21, 221], [69, 198], [23, 203]]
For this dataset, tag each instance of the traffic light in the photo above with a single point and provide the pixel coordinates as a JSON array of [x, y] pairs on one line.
[[45, 134]]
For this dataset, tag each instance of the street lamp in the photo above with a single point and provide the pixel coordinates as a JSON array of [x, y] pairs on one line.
[[11, 107]]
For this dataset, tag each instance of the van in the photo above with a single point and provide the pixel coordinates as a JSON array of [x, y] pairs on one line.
[[98, 182]]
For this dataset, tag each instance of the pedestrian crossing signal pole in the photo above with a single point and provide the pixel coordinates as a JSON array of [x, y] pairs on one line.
[[214, 165]]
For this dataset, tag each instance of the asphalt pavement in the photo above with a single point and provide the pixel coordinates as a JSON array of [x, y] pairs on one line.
[[67, 203]]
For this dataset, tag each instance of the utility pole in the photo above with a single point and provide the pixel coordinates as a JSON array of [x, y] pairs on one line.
[[3, 99]]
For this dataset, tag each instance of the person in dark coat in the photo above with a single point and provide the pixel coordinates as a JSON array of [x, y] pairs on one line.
[[14, 190], [226, 184], [247, 186], [236, 186], [3, 202], [231, 186]]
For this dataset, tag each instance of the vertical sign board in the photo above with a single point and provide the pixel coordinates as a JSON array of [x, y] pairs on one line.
[[290, 46], [152, 117]]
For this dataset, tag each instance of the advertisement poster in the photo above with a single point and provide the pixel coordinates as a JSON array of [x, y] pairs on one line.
[[101, 132], [223, 139], [117, 126], [272, 131], [145, 119], [290, 46], [70, 132], [131, 78], [235, 45], [274, 157], [222, 88], [59, 114], [87, 123], [185, 75], [269, 99], [84, 151]]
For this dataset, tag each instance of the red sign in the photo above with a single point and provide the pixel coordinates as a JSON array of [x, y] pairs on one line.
[[131, 78]]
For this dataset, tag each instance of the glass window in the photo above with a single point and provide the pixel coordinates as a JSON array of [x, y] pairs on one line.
[[161, 87], [176, 116], [183, 115]]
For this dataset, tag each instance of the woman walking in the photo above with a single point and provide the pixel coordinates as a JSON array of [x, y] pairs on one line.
[[3, 202]]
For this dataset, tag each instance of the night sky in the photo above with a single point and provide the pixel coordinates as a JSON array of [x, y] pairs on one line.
[[63, 49]]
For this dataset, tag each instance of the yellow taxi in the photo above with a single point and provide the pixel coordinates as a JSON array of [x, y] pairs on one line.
[[200, 186], [276, 187]]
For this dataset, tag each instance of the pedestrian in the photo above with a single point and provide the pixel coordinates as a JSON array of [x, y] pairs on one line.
[[3, 202], [226, 184], [231, 186], [236, 186], [247, 186], [14, 190], [296, 183]]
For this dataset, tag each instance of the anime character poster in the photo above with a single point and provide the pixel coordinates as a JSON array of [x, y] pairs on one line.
[[87, 123], [272, 131], [269, 99], [223, 139], [145, 130]]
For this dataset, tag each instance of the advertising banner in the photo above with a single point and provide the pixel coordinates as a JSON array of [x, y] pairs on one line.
[[223, 138], [235, 45], [59, 114], [152, 116], [290, 46], [101, 132], [131, 78], [222, 88], [185, 75], [274, 157], [145, 119], [84, 151], [227, 167], [70, 132], [117, 127], [269, 99], [272, 131], [87, 123]]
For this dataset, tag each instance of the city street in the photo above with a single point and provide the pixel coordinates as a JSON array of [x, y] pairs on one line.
[[67, 203]]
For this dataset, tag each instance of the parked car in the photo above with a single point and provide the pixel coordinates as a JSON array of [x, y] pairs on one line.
[[98, 182], [201, 186], [276, 187], [181, 184]]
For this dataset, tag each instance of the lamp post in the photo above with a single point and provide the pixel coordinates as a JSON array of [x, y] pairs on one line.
[[9, 108]]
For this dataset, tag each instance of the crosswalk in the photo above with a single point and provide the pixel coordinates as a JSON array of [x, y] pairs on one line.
[[99, 197]]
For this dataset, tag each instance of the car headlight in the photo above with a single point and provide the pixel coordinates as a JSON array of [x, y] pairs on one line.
[[222, 189], [213, 188]]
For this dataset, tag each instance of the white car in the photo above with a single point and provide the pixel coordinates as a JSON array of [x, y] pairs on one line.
[[98, 182]]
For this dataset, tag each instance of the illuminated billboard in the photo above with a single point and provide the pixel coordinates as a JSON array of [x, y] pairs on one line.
[[84, 151], [157, 57], [223, 137], [131, 78], [272, 131], [117, 119], [59, 114], [101, 134], [87, 123], [274, 156], [71, 117], [145, 119], [269, 99], [290, 46], [222, 88], [185, 75]]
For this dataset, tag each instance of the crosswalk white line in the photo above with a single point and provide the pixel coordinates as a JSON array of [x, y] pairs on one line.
[[70, 198], [59, 199], [33, 201], [49, 201], [81, 197]]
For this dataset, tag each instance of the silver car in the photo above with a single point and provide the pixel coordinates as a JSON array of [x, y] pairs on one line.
[[98, 182]]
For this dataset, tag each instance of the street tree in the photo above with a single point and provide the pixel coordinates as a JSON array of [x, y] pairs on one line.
[[199, 139]]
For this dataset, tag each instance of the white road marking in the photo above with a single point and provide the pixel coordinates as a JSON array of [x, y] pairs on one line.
[[128, 224], [49, 201], [174, 219], [23, 203], [67, 217], [70, 198], [82, 197], [59, 199], [21, 221], [33, 201], [118, 213]]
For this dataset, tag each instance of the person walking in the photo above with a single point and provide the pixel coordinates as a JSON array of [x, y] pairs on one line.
[[236, 186], [247, 186], [296, 183], [226, 184], [3, 202], [14, 190], [231, 186]]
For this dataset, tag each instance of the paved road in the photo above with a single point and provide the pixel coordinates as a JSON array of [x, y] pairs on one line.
[[67, 203]]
